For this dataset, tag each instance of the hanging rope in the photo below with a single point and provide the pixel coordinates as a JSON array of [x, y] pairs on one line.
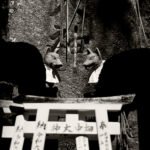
[[136, 6], [141, 23]]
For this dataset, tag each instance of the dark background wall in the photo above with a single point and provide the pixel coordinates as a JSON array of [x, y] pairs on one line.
[[3, 17]]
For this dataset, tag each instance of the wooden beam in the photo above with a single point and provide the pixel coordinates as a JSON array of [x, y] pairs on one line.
[[40, 129], [18, 136], [104, 139]]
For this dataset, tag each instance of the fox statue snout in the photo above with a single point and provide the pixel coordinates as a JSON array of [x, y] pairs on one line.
[[93, 59]]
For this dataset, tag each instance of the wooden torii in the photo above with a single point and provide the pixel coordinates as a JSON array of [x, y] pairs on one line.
[[74, 123]]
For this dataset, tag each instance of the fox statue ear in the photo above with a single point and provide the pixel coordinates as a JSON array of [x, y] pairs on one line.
[[57, 48], [89, 51], [98, 52], [48, 48]]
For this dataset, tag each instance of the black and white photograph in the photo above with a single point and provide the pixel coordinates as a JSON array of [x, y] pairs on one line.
[[74, 74]]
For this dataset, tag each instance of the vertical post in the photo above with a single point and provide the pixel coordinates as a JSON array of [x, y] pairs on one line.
[[84, 9], [67, 29], [18, 137], [82, 143], [40, 129], [82, 29], [102, 129], [61, 21]]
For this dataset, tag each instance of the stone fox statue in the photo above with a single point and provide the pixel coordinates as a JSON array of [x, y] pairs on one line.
[[95, 63], [125, 73], [52, 64], [22, 64]]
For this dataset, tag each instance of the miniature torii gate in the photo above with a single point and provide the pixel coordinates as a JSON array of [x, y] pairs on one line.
[[42, 126]]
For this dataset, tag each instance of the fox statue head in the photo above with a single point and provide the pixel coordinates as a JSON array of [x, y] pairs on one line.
[[52, 58], [93, 59]]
